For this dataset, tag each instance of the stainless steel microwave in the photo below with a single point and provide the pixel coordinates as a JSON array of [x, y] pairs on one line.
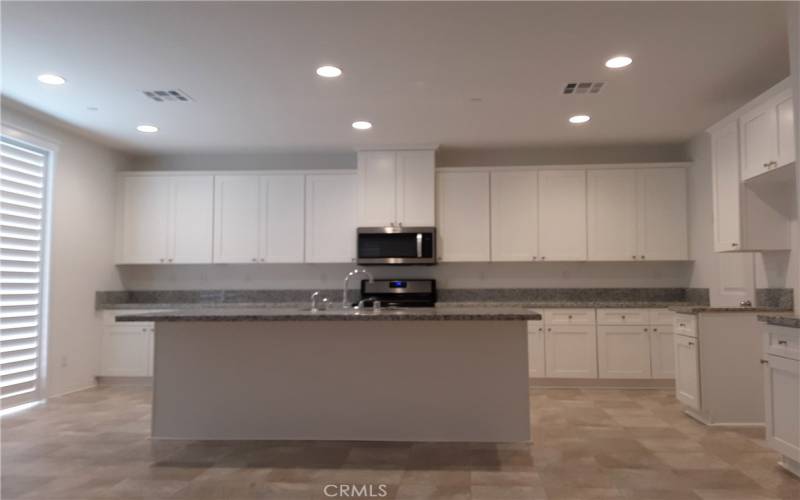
[[396, 245]]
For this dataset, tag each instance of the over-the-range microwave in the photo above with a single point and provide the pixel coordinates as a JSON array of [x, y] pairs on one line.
[[396, 245]]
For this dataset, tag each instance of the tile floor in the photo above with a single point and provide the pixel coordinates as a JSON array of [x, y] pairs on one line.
[[587, 444]]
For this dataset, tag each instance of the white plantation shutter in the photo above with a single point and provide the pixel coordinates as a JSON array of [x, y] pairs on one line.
[[23, 191]]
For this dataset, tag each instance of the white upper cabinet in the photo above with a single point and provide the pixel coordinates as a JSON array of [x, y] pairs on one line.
[[331, 217], [612, 214], [767, 136], [416, 188], [165, 219], [463, 223], [396, 188], [662, 214], [725, 187], [237, 218], [562, 215], [283, 215], [515, 215]]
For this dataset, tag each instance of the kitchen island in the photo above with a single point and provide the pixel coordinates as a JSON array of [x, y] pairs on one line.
[[428, 374]]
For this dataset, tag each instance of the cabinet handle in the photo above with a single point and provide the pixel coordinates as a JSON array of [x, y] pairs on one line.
[[162, 260], [254, 259], [691, 343], [549, 329], [399, 224], [569, 317], [734, 244], [541, 329], [634, 257], [683, 325], [766, 165], [646, 329], [642, 257], [655, 329], [543, 257], [783, 342], [623, 316], [169, 260], [144, 329], [533, 258], [764, 362]]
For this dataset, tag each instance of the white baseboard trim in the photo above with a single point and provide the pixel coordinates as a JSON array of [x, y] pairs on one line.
[[143, 381], [790, 465], [72, 391]]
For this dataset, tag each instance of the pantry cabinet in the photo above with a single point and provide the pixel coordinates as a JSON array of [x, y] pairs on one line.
[[259, 218], [515, 215], [767, 136], [562, 215], [331, 217], [165, 219], [462, 213], [396, 188]]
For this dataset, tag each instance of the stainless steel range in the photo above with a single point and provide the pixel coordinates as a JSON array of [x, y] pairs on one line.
[[400, 292]]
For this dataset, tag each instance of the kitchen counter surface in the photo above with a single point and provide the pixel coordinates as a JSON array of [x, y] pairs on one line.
[[690, 309], [780, 320], [303, 314], [154, 306]]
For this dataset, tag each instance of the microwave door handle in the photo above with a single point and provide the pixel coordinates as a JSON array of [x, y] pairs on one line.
[[419, 245]]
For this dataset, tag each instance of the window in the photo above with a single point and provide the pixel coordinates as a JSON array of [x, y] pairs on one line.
[[23, 211]]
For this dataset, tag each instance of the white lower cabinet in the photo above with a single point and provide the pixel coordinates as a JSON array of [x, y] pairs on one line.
[[687, 371], [782, 391], [536, 350], [623, 351], [662, 352], [127, 350], [571, 351]]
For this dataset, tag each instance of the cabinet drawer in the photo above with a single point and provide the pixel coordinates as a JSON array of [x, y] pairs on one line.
[[661, 317], [783, 342], [685, 324], [569, 317], [623, 317]]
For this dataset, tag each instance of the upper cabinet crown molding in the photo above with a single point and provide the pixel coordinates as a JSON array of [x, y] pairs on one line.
[[396, 188]]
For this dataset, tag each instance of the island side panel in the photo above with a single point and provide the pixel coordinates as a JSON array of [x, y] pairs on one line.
[[342, 380]]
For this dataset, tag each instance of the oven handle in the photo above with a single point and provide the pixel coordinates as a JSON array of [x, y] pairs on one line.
[[419, 245]]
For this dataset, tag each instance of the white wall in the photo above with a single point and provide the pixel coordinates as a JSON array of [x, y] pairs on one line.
[[449, 275], [81, 247]]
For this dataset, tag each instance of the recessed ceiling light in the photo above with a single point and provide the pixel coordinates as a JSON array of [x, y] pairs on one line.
[[147, 129], [329, 71], [360, 125], [618, 62], [578, 119], [51, 79]]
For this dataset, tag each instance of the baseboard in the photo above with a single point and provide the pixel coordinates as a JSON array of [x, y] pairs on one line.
[[71, 391], [705, 420], [142, 381], [543, 383], [790, 465]]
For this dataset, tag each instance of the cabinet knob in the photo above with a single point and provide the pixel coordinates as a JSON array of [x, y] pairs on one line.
[[541, 329], [549, 329], [691, 343], [642, 257], [623, 316], [570, 316], [734, 244], [634, 257], [655, 329], [169, 260], [766, 165], [646, 329], [543, 257], [162, 260], [533, 258], [254, 259], [764, 362]]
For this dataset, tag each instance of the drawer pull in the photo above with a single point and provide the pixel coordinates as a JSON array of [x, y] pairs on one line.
[[691, 343], [783, 342], [764, 362], [655, 329], [646, 329], [683, 325]]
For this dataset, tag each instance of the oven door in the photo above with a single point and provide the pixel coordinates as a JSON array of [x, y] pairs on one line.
[[396, 245]]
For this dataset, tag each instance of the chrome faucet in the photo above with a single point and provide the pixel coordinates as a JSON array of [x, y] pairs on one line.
[[354, 272]]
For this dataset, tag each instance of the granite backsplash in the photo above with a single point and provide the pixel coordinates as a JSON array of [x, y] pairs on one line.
[[781, 298]]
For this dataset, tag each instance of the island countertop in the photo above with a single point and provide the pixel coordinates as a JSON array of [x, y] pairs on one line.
[[337, 314]]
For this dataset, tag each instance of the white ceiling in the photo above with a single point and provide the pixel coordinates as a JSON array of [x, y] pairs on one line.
[[410, 68]]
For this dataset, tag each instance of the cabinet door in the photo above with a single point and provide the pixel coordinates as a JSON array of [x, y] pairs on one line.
[[571, 351], [283, 231], [331, 215], [562, 215], [125, 350], [687, 371], [782, 398], [192, 220], [662, 352], [376, 188], [143, 219], [759, 140], [536, 349], [416, 186], [623, 351], [662, 214], [726, 189], [611, 214], [786, 151], [515, 216], [462, 200], [237, 218]]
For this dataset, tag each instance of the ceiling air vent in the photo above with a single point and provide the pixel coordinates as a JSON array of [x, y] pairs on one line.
[[167, 95], [583, 87]]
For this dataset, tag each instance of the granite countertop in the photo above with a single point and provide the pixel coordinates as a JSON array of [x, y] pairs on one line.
[[487, 304], [336, 314], [780, 320], [692, 309]]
